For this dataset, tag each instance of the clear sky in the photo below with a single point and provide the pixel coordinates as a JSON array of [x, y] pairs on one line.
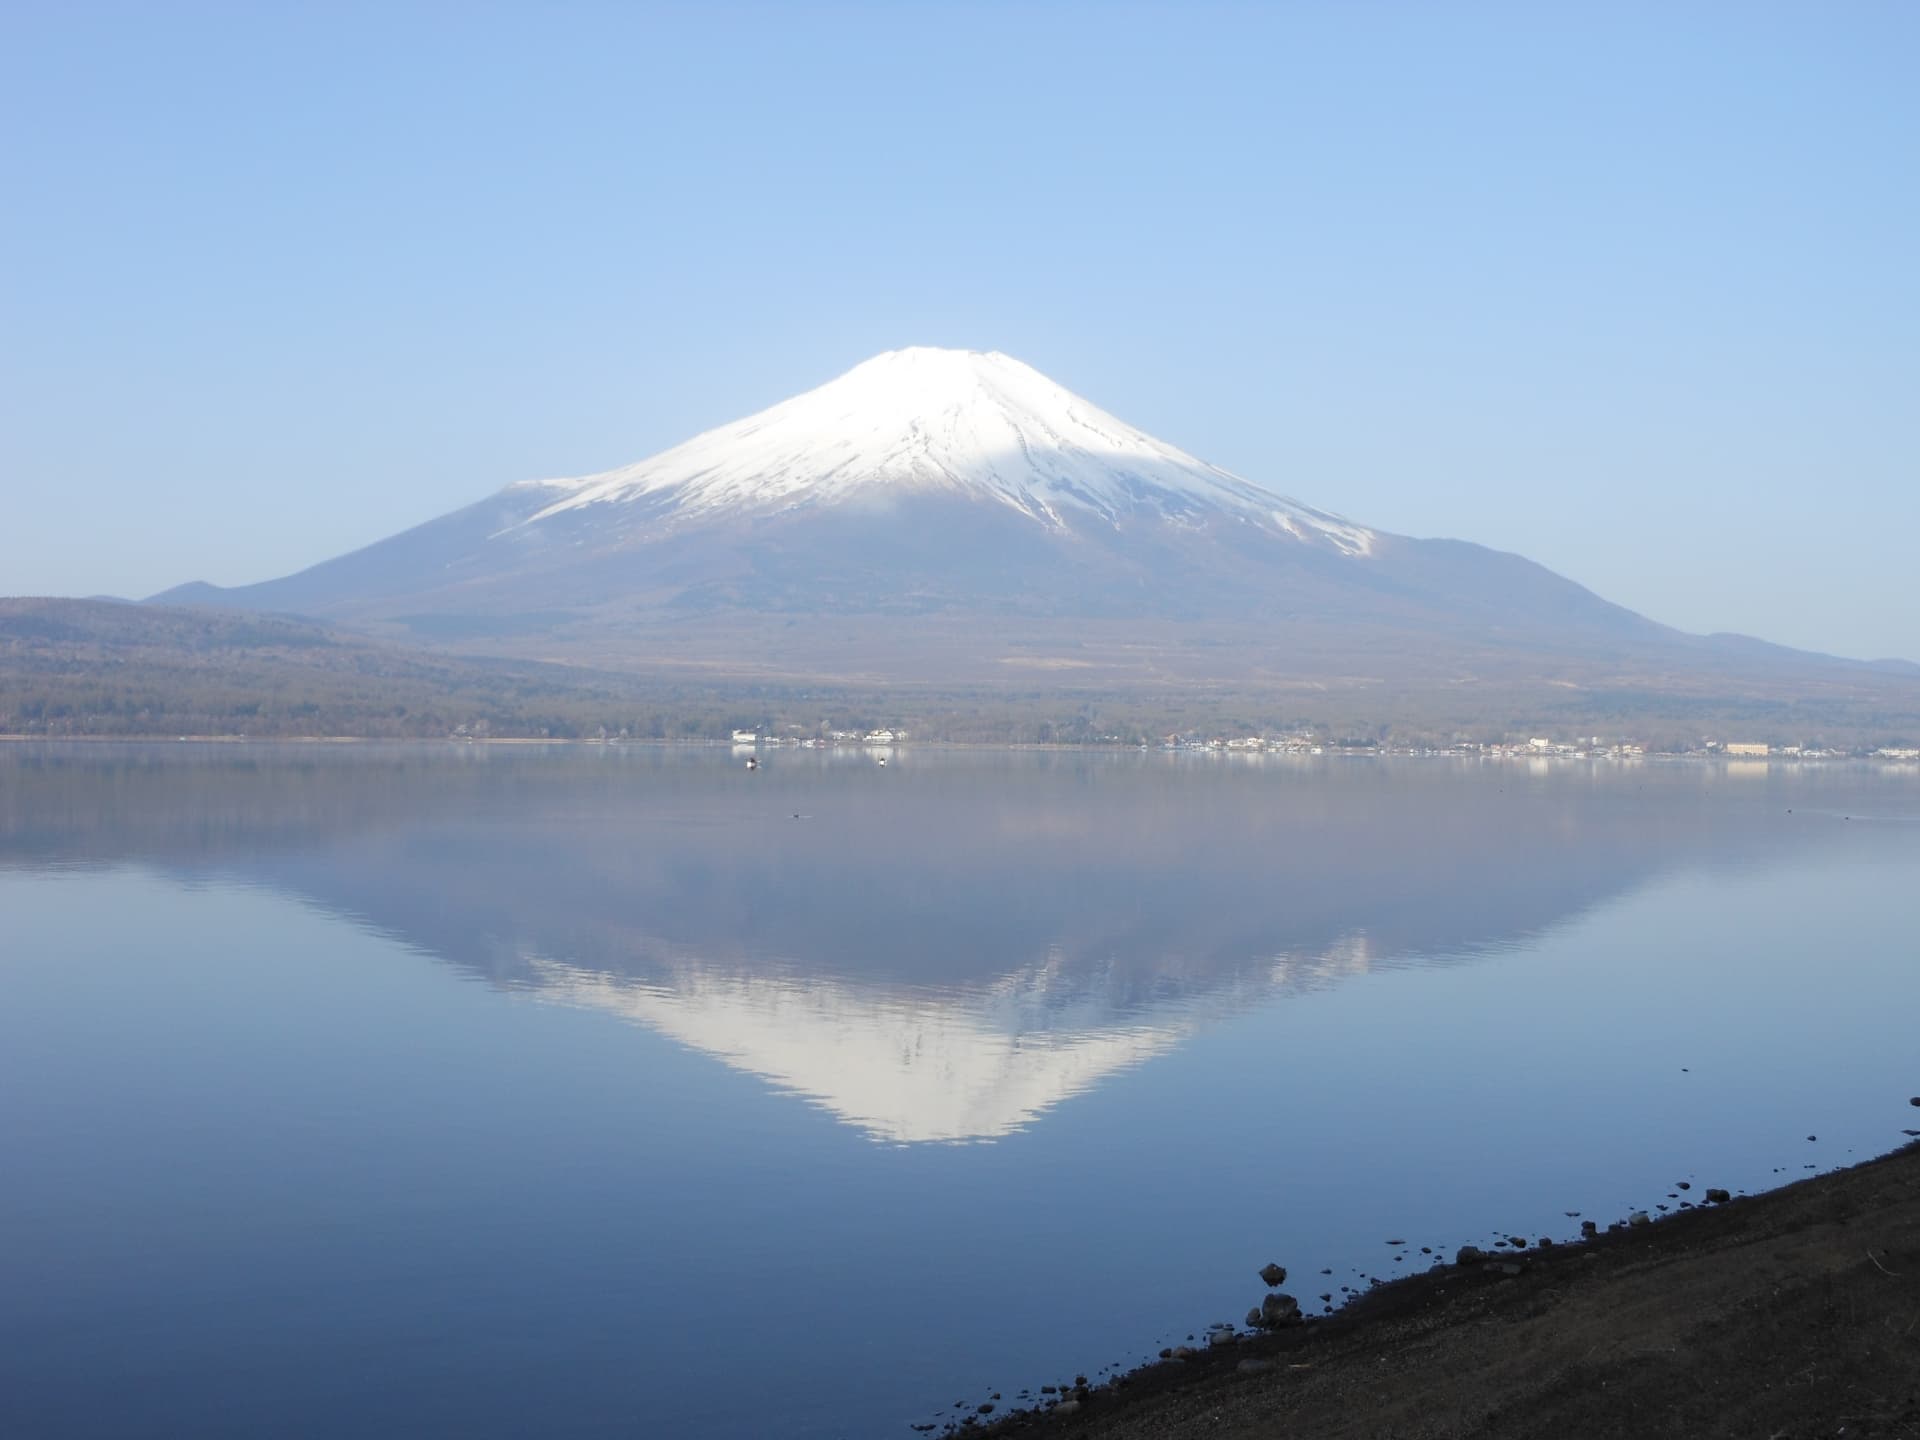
[[1633, 290]]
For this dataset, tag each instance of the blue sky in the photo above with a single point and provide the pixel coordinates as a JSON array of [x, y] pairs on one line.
[[1632, 290]]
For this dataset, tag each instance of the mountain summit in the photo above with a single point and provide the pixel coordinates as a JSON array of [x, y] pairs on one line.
[[955, 517], [962, 423]]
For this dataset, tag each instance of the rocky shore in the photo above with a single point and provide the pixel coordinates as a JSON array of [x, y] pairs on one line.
[[1795, 1313]]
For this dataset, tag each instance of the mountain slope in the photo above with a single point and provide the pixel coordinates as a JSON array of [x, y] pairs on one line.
[[1013, 522], [105, 668]]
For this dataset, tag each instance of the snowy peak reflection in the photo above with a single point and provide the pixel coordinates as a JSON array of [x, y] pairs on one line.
[[911, 1067], [902, 1067]]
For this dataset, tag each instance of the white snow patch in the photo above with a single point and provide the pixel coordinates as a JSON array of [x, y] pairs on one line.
[[958, 421]]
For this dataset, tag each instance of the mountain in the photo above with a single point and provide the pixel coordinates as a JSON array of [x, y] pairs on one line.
[[921, 481], [957, 517]]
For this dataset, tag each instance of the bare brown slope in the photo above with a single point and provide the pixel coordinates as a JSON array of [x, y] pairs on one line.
[[1790, 1314], [1432, 636]]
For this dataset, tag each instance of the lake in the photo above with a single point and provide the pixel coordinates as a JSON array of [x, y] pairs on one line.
[[507, 1090]]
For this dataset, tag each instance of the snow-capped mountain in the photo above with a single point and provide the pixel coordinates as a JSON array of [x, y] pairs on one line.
[[1018, 527], [953, 422]]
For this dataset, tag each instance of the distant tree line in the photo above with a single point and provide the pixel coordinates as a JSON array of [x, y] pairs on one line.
[[88, 668]]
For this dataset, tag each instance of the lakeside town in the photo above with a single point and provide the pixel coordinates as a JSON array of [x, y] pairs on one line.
[[1541, 747], [1537, 747]]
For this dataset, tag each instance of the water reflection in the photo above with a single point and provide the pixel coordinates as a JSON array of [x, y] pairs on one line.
[[943, 950], [911, 1065], [901, 1068]]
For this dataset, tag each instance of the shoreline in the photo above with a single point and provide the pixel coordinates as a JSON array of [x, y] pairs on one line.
[[1791, 1312], [1657, 757]]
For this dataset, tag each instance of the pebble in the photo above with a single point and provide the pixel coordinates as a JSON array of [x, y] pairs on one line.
[[1272, 1275], [1066, 1407], [1589, 1228], [1717, 1196], [1469, 1255], [1639, 1217]]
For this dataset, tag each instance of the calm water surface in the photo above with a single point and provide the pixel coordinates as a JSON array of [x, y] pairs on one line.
[[510, 1091]]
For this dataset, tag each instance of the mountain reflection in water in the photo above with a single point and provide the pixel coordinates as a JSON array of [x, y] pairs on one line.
[[942, 950]]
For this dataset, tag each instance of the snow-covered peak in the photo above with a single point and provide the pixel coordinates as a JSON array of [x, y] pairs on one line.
[[980, 424]]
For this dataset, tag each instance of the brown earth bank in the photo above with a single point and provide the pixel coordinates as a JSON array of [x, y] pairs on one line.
[[1790, 1314]]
